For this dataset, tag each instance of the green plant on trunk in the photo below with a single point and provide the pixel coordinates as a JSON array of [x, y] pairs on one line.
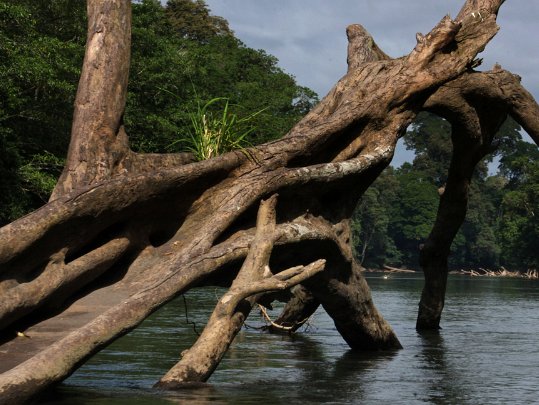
[[216, 132]]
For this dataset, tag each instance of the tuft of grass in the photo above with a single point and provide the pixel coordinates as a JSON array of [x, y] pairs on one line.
[[216, 132]]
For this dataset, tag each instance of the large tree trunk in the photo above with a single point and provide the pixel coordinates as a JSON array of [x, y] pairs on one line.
[[474, 122], [125, 233]]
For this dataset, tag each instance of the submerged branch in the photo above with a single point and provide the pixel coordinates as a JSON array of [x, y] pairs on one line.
[[232, 309]]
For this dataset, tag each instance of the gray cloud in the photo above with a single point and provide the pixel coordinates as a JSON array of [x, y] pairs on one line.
[[308, 36]]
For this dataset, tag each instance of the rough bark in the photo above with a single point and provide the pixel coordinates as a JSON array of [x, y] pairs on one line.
[[99, 147], [142, 229], [253, 279], [96, 133]]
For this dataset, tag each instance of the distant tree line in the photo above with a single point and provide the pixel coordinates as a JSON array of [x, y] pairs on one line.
[[502, 225], [183, 56]]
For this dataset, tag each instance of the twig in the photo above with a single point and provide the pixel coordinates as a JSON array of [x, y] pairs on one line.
[[275, 325]]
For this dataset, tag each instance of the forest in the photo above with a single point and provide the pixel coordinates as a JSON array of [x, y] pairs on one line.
[[184, 57]]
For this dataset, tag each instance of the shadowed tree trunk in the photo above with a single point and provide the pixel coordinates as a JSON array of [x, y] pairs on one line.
[[474, 124], [125, 233], [298, 309]]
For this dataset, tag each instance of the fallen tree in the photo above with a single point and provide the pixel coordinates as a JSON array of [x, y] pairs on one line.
[[142, 229]]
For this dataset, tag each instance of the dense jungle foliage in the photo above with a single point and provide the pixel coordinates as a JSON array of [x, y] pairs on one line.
[[501, 228], [183, 57]]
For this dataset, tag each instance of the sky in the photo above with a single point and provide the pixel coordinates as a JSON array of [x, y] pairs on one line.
[[309, 38]]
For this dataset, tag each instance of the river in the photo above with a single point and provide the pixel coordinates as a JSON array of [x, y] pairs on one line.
[[486, 353]]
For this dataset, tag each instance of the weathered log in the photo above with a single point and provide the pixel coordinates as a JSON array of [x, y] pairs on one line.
[[98, 145], [253, 279], [397, 270], [57, 361], [59, 279], [191, 223]]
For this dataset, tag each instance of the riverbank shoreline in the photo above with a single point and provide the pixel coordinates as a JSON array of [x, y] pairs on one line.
[[530, 274]]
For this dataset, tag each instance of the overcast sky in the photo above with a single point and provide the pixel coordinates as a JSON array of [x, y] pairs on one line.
[[308, 36]]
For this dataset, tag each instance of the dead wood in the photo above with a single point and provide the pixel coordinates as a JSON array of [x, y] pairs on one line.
[[476, 105], [297, 311], [254, 278], [151, 227], [397, 270]]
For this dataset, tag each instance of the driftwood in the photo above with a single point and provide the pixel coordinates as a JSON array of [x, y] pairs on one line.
[[397, 270], [530, 274], [124, 233]]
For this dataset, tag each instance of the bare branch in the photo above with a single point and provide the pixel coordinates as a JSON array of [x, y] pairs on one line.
[[361, 47], [254, 277], [56, 278]]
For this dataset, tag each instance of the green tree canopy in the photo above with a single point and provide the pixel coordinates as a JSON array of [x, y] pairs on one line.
[[41, 51], [396, 214], [181, 56]]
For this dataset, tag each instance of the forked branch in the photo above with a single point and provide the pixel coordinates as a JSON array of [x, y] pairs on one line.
[[253, 279]]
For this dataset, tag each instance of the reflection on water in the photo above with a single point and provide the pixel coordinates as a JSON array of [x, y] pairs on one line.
[[486, 353]]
